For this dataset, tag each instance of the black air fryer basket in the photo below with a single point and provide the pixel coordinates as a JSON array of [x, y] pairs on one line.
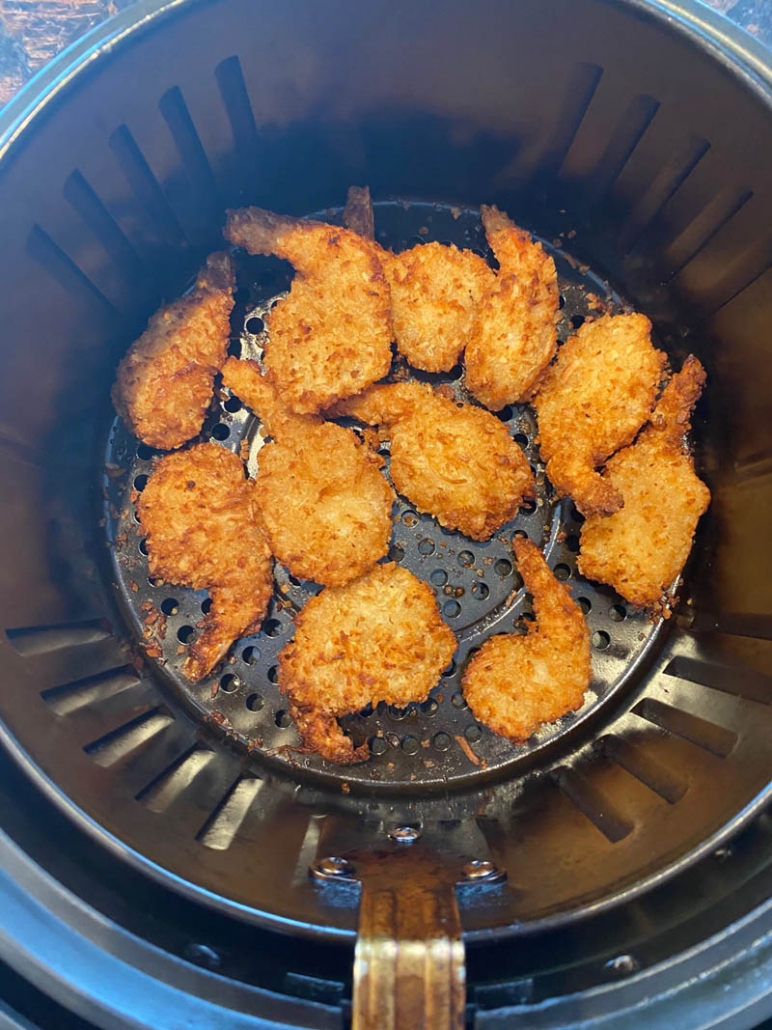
[[167, 857]]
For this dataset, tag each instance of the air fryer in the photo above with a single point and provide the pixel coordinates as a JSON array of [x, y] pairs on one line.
[[168, 857]]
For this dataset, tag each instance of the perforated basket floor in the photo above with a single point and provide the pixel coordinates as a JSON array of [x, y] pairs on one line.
[[436, 743]]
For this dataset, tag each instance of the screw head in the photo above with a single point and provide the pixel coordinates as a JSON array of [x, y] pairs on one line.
[[481, 871], [332, 867], [405, 834], [623, 965]]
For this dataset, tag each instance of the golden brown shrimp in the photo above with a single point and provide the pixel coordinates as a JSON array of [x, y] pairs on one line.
[[594, 400], [165, 382], [331, 336], [456, 462], [513, 336], [325, 505], [380, 638], [641, 550], [514, 683], [200, 516]]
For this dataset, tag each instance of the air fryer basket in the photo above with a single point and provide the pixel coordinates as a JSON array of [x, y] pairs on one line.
[[638, 149]]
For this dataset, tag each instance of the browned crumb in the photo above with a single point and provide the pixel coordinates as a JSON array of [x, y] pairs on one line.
[[641, 549], [594, 400], [458, 463], [380, 638], [331, 336], [165, 382], [514, 683], [199, 514]]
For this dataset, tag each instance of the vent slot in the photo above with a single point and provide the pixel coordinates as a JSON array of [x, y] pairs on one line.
[[34, 640], [167, 787], [221, 828], [672, 175], [79, 193], [114, 746], [707, 735], [625, 138], [745, 683], [70, 697], [633, 759], [145, 186], [591, 802], [50, 256]]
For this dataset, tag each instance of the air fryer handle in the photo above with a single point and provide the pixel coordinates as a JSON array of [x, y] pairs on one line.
[[409, 960]]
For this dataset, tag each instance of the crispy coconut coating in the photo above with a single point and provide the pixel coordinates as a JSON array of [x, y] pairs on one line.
[[641, 550], [164, 384], [380, 638], [435, 290], [458, 463], [514, 684], [325, 505], [513, 336], [331, 337], [594, 400], [200, 517]]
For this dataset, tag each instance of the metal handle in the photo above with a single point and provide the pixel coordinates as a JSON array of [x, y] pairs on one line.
[[409, 960]]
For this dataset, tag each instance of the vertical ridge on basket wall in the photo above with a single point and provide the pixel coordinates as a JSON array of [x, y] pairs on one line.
[[235, 98], [221, 828], [124, 272], [61, 267], [195, 187], [698, 233], [79, 193], [164, 789], [703, 733], [35, 640], [582, 84], [543, 157], [146, 188], [122, 741], [593, 803], [666, 183], [749, 265], [635, 759], [70, 697], [737, 680], [625, 137]]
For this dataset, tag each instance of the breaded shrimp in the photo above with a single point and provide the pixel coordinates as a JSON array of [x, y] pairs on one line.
[[331, 337], [380, 638], [325, 505], [165, 382], [199, 514], [594, 400], [435, 290], [513, 336], [641, 550], [513, 684], [456, 462]]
